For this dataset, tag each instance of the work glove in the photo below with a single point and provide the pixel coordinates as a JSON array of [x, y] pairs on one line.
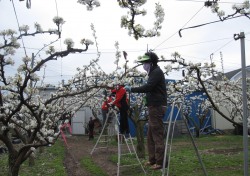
[[127, 88], [111, 105]]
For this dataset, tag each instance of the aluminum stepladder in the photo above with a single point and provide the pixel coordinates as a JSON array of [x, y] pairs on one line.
[[127, 141], [168, 147], [108, 131]]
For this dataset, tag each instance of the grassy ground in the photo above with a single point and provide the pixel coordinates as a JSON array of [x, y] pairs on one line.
[[90, 166], [221, 155], [50, 162]]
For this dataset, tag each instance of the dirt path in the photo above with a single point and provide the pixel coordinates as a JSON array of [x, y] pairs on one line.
[[80, 147]]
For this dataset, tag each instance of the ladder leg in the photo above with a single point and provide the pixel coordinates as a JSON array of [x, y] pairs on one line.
[[119, 153], [167, 139], [101, 134], [167, 151], [126, 141], [133, 147]]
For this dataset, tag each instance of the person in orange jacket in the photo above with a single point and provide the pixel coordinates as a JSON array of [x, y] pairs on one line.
[[121, 102]]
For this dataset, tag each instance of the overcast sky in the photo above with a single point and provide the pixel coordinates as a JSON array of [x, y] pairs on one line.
[[195, 45]]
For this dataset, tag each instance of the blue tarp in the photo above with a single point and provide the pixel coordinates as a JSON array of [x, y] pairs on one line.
[[195, 104]]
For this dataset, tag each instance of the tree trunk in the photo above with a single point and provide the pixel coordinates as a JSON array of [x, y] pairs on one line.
[[31, 160], [14, 164], [41, 149], [140, 139], [197, 134], [139, 124]]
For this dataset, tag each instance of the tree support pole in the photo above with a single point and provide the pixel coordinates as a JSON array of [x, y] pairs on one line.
[[241, 36], [195, 148]]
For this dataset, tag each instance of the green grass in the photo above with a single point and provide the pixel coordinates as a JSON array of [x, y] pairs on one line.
[[221, 156], [50, 162], [90, 166], [3, 164]]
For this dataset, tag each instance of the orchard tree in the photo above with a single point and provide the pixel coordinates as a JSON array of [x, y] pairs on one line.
[[137, 30], [128, 21], [24, 113], [240, 9], [220, 93]]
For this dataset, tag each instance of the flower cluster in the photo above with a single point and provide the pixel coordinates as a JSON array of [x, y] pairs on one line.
[[137, 30], [90, 4]]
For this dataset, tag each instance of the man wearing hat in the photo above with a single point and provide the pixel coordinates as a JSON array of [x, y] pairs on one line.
[[156, 101]]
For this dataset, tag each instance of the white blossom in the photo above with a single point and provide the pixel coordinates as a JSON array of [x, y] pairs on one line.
[[58, 20], [38, 27], [24, 28], [69, 42], [33, 149], [4, 128], [50, 139]]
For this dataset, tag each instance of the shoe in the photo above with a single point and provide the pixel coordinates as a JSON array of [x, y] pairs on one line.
[[156, 167], [148, 163]]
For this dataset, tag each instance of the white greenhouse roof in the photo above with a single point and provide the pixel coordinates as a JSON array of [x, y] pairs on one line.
[[238, 75]]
